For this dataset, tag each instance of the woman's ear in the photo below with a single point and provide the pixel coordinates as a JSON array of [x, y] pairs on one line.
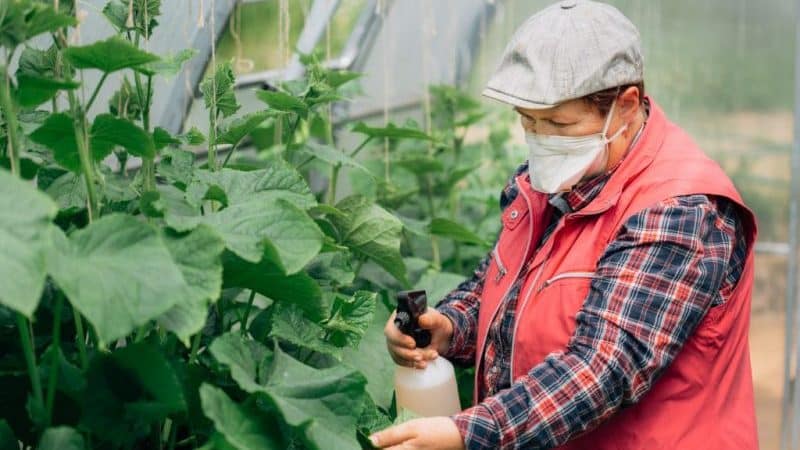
[[628, 103]]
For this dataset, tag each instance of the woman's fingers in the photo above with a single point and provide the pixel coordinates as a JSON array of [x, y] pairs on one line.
[[393, 436]]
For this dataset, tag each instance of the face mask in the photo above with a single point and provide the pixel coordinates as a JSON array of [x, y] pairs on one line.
[[557, 163]]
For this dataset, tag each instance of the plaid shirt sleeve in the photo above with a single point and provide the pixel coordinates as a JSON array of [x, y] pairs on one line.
[[653, 285]]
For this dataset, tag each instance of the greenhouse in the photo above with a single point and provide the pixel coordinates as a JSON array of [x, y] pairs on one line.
[[427, 224]]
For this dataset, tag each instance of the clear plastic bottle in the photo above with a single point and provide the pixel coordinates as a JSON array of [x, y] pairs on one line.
[[427, 392]]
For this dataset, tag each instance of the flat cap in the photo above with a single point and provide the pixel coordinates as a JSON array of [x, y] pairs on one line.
[[568, 50]]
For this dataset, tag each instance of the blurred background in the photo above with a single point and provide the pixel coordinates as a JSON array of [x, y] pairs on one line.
[[724, 70]]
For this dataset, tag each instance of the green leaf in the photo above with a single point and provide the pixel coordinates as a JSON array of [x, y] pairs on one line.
[[337, 78], [197, 255], [128, 392], [144, 15], [108, 131], [371, 231], [391, 131], [333, 268], [58, 134], [177, 166], [118, 273], [218, 91], [25, 234], [193, 136], [109, 55], [372, 419], [289, 324], [61, 438], [233, 131], [243, 428], [162, 138], [7, 438], [372, 359], [457, 232], [170, 65], [69, 192], [323, 405], [33, 90], [421, 165], [333, 156], [261, 210], [42, 18], [282, 101], [267, 278], [246, 359], [350, 317]]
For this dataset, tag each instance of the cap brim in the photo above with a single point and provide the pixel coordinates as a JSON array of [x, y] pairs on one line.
[[514, 100]]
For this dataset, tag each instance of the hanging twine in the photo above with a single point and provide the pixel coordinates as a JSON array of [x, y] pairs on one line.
[[201, 16], [129, 22]]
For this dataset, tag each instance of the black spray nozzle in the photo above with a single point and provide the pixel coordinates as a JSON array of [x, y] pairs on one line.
[[411, 305]]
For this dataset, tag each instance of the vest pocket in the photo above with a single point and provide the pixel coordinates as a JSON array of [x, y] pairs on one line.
[[577, 274]]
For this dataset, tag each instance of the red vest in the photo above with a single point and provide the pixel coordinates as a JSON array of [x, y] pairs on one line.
[[704, 399]]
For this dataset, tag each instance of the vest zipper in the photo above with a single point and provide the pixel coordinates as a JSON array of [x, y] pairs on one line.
[[519, 314], [501, 268], [564, 275]]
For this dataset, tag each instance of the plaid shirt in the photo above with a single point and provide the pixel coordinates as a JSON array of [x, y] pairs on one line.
[[693, 245]]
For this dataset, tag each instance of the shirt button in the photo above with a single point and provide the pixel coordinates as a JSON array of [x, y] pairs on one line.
[[514, 214]]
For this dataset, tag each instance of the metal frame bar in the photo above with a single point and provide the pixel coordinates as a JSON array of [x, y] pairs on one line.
[[790, 424]]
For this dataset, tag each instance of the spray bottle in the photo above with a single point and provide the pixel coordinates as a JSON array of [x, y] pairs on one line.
[[427, 392]]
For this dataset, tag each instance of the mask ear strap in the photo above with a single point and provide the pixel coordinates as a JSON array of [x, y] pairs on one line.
[[608, 121]]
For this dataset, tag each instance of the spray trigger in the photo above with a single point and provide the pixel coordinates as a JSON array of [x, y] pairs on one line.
[[411, 305]]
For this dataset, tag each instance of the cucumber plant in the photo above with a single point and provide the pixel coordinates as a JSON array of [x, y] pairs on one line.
[[215, 302]]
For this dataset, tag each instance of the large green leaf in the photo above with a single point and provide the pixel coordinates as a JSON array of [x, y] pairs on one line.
[[278, 180], [218, 91], [7, 438], [234, 130], [128, 392], [198, 257], [371, 231], [243, 428], [58, 134], [455, 231], [438, 284], [269, 280], [25, 234], [262, 209], [108, 131], [34, 90], [281, 101], [109, 55], [291, 325], [323, 405], [246, 359], [21, 20], [168, 66], [350, 317], [144, 17], [118, 273], [334, 157], [372, 359], [61, 438], [391, 131]]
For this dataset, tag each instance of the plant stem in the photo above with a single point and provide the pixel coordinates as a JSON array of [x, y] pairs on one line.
[[30, 357], [228, 156], [56, 344], [81, 338], [144, 94], [87, 166], [11, 119], [332, 184], [96, 90], [247, 311], [432, 211], [360, 146], [195, 347]]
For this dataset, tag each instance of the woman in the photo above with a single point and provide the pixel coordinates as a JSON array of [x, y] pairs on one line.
[[613, 311]]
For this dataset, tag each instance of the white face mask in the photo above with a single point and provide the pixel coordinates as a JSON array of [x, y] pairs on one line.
[[557, 163]]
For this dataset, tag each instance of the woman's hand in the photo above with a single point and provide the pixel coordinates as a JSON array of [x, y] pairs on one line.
[[404, 350], [430, 433]]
